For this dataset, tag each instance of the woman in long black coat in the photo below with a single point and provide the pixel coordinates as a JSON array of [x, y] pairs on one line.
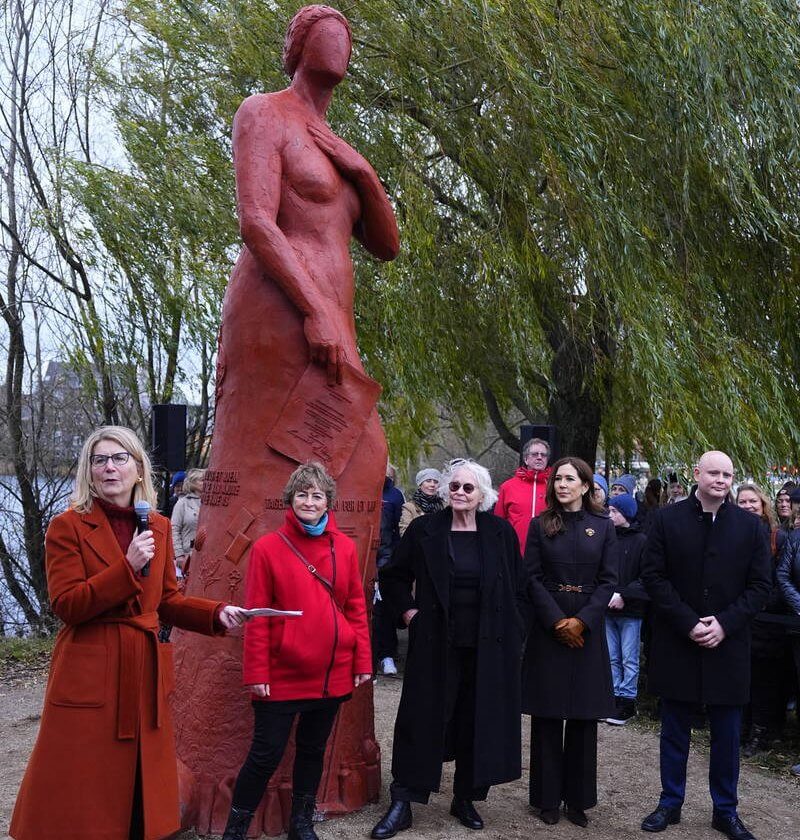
[[456, 577], [571, 558]]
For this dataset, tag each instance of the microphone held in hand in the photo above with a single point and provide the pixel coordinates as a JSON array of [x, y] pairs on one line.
[[142, 511]]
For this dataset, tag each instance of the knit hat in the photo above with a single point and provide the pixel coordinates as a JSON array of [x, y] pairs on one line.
[[598, 479], [177, 478], [627, 481], [425, 474], [794, 496], [626, 505]]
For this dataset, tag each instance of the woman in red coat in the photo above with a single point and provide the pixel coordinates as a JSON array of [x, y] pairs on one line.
[[104, 763], [302, 666]]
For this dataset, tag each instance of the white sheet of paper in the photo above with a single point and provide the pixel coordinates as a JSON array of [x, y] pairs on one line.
[[268, 611]]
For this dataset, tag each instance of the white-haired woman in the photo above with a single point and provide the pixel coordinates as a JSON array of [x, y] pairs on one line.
[[456, 578], [104, 762]]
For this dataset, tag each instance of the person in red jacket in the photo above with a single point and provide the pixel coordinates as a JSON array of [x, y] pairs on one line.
[[304, 666], [521, 498]]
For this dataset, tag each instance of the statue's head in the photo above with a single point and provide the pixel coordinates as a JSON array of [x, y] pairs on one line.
[[300, 28]]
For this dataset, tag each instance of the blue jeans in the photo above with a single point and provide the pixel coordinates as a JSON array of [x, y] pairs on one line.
[[723, 767], [623, 633]]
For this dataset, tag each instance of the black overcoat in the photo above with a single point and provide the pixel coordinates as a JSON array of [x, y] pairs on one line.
[[422, 561], [559, 681], [693, 567]]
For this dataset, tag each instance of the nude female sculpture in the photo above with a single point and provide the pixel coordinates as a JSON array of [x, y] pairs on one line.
[[302, 194]]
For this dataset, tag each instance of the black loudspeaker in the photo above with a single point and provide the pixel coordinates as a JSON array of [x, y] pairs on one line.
[[548, 433], [169, 437]]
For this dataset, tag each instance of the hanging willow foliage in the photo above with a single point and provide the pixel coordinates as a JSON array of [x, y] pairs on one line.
[[598, 203]]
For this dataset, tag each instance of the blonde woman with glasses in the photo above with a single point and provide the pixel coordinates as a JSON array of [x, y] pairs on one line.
[[104, 763]]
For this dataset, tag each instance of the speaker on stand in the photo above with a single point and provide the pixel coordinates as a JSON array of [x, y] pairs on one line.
[[168, 442]]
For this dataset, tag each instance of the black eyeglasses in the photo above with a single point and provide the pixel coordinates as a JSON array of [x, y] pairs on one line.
[[457, 485], [118, 459]]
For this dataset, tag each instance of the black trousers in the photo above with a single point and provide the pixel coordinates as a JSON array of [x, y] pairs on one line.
[[270, 736], [137, 811], [563, 763], [460, 731], [384, 632]]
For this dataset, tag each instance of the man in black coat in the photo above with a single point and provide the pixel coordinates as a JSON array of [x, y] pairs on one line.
[[706, 567]]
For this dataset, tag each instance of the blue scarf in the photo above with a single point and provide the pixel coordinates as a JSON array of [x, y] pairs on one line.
[[315, 530]]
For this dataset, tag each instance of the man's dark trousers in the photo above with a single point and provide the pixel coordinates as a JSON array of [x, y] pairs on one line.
[[723, 772]]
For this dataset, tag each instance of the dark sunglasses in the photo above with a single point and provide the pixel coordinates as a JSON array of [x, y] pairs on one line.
[[457, 485]]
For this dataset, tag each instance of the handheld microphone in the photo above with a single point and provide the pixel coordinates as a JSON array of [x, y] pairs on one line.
[[142, 511]]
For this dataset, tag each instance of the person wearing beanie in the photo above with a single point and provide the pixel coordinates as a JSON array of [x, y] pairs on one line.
[[624, 484], [426, 498], [626, 609], [175, 492], [600, 489], [522, 497]]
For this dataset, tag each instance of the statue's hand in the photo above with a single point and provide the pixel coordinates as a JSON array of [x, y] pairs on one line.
[[325, 346], [343, 156]]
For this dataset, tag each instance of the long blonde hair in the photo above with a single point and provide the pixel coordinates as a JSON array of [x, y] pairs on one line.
[[767, 513], [83, 496]]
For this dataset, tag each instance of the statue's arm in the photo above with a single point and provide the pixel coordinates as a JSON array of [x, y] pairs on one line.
[[376, 228], [257, 163]]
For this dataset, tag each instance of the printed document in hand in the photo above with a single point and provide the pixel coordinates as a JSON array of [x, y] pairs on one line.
[[269, 612]]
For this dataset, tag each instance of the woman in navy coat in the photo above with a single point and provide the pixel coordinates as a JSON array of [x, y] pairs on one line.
[[571, 556]]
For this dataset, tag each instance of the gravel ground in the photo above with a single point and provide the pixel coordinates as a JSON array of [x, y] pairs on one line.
[[628, 784]]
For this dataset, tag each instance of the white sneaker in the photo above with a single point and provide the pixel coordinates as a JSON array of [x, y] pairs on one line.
[[388, 667]]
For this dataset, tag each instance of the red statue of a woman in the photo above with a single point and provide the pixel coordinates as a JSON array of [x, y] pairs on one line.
[[290, 386]]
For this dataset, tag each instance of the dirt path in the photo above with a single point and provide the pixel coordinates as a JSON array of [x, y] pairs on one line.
[[628, 781]]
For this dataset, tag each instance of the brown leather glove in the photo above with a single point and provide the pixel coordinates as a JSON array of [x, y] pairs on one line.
[[569, 631]]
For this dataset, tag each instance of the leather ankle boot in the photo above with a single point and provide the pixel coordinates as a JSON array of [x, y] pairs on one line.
[[397, 818], [301, 823], [238, 823]]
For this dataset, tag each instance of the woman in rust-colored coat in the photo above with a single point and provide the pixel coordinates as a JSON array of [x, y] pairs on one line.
[[104, 763]]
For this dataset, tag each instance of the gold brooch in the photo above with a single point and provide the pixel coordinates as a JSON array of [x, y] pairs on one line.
[[590, 532]]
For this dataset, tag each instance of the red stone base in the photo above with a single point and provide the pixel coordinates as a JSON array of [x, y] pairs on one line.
[[214, 728]]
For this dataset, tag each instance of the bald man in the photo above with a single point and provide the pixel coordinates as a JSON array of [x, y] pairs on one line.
[[706, 567]]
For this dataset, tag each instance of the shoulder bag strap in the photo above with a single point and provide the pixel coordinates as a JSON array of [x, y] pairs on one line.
[[312, 569]]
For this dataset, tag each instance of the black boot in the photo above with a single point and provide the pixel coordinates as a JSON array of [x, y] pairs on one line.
[[301, 823], [238, 823], [397, 818], [757, 742]]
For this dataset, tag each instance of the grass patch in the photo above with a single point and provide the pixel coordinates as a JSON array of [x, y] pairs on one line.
[[783, 752], [15, 653]]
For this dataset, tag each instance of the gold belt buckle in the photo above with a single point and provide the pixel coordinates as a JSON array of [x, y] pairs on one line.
[[568, 587]]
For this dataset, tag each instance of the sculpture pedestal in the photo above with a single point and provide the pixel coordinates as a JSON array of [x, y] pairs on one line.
[[213, 742], [262, 357]]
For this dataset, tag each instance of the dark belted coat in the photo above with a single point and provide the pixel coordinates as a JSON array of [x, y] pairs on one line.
[[694, 567], [419, 576], [106, 706], [559, 681]]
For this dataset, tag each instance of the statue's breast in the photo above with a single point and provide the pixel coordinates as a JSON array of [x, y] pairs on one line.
[[308, 172]]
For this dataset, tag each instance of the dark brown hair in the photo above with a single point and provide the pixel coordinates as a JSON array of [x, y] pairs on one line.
[[551, 519], [652, 493]]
